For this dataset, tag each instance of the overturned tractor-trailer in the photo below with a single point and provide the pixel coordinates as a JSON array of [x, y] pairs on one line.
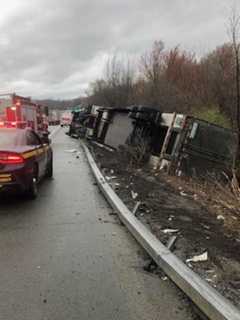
[[112, 126], [179, 144], [194, 147]]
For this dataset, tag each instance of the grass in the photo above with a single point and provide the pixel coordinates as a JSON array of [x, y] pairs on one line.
[[212, 115]]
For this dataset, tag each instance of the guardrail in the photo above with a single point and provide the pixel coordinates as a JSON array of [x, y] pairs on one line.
[[206, 298]]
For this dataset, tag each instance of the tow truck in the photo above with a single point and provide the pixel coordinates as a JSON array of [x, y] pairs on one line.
[[25, 153]]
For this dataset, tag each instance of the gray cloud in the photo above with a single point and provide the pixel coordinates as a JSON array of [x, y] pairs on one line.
[[54, 48]]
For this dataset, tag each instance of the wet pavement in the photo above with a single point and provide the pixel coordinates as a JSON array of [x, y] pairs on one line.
[[65, 257]]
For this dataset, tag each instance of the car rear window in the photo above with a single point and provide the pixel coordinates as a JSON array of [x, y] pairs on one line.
[[12, 138]]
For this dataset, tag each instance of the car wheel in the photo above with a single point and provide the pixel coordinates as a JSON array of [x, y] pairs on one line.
[[32, 192], [49, 172]]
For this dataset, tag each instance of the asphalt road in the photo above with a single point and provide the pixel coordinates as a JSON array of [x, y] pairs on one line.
[[63, 257]]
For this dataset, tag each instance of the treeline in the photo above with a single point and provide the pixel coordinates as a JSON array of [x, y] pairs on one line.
[[172, 80], [61, 104]]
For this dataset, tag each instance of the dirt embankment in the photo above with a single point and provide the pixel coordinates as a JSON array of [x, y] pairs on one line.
[[173, 207]]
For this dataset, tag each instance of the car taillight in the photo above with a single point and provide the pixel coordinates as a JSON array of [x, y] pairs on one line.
[[10, 158]]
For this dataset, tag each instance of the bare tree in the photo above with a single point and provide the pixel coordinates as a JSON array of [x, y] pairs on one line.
[[116, 87], [152, 65], [216, 87], [234, 30]]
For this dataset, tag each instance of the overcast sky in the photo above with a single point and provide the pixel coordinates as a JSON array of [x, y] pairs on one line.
[[54, 48]]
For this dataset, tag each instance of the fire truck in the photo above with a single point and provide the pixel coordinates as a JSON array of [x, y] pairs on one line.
[[21, 112]]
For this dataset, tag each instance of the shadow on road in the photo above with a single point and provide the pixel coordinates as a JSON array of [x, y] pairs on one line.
[[15, 200]]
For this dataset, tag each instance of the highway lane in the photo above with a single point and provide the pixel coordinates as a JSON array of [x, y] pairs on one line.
[[64, 256]]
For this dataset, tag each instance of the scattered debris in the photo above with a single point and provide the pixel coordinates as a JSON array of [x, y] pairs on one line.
[[171, 242], [150, 266], [195, 197], [210, 271], [78, 155], [183, 194], [112, 213], [71, 151], [196, 226], [170, 230], [135, 209], [107, 221], [103, 146], [134, 195], [205, 226], [110, 178], [200, 258], [164, 278]]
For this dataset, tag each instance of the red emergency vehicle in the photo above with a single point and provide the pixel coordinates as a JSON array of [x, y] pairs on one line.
[[21, 112], [25, 151]]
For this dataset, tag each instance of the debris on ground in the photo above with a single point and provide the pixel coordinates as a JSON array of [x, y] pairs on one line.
[[110, 178], [135, 209], [170, 230], [112, 213], [134, 195], [171, 243], [183, 194], [150, 266], [200, 258], [71, 151], [78, 155], [194, 218]]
